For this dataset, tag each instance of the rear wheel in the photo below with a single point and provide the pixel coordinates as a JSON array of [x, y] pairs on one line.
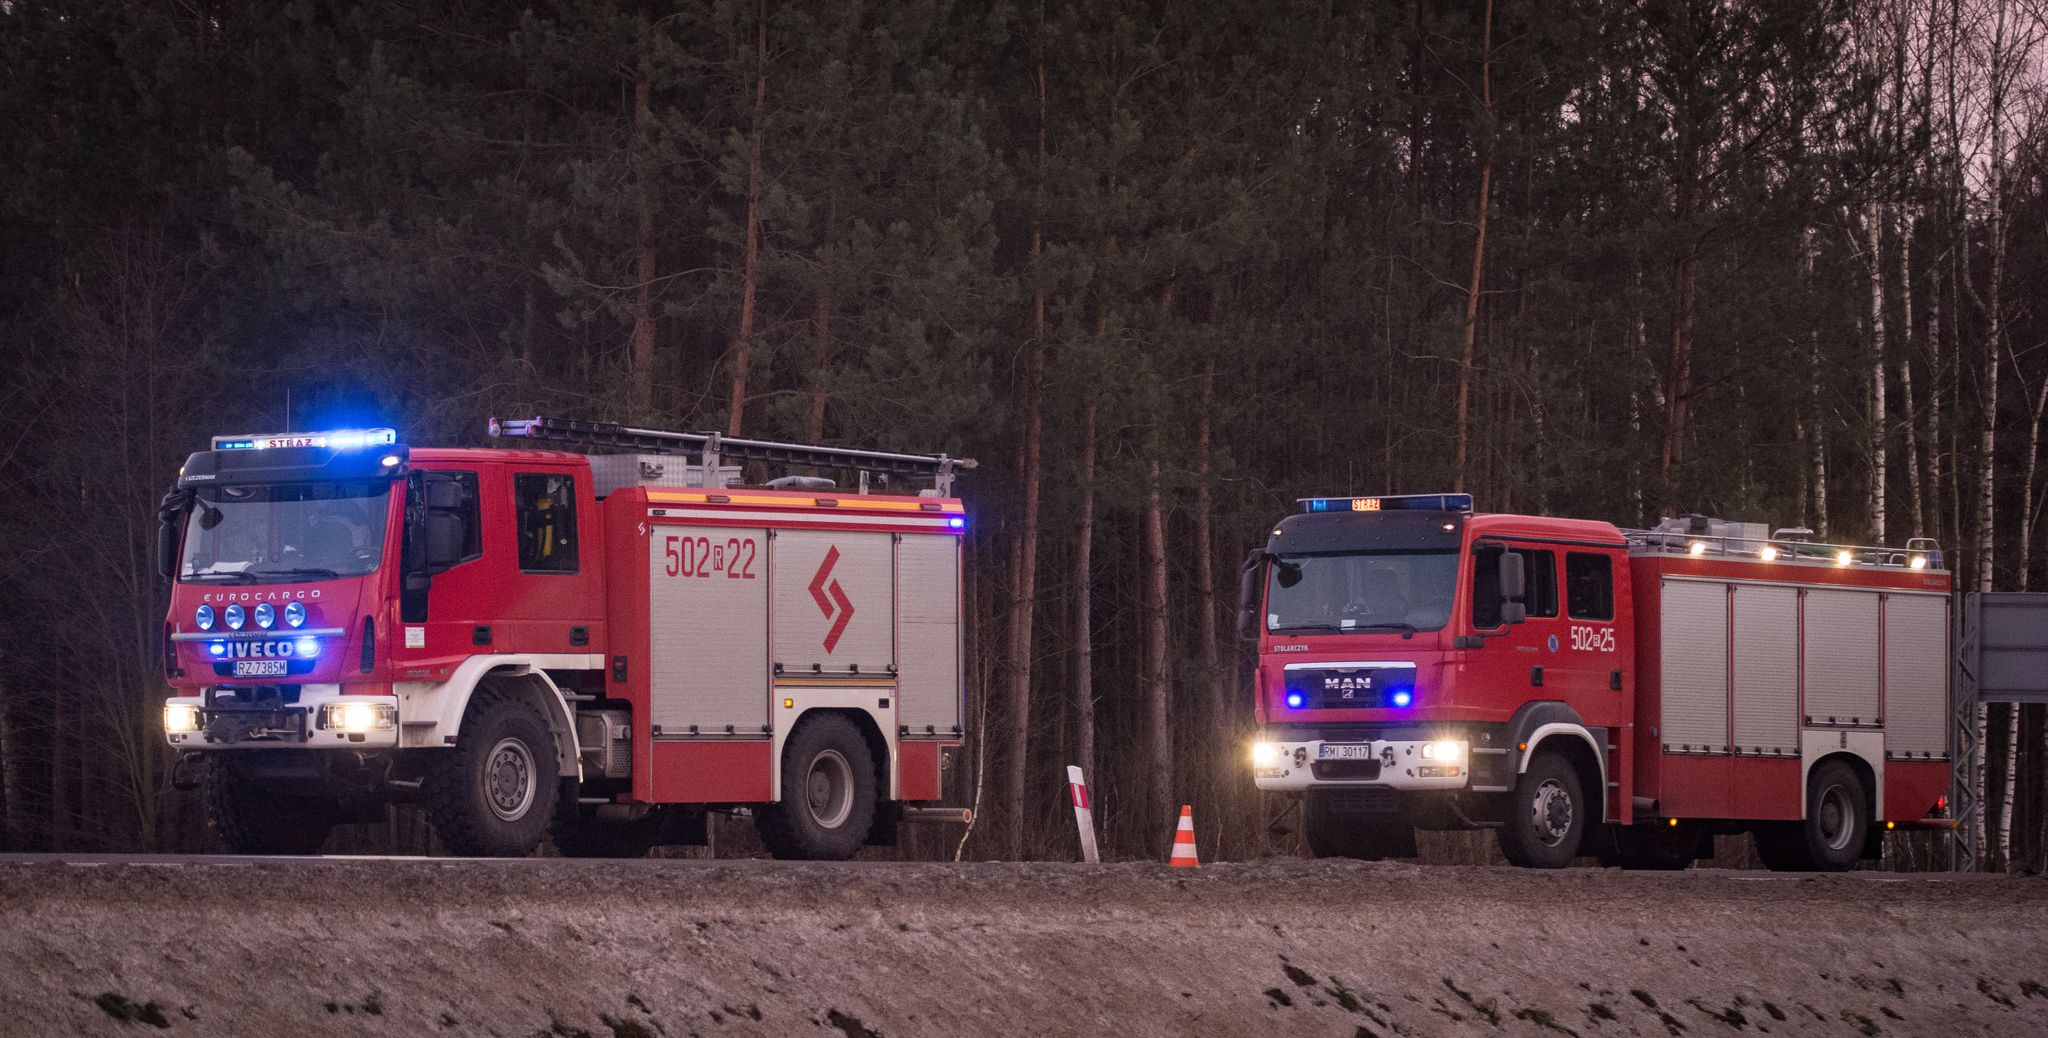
[[1546, 815], [253, 820], [1831, 837], [1330, 833], [494, 793], [828, 793]]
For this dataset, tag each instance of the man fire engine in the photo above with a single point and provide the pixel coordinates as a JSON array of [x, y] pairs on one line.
[[599, 646], [1582, 689]]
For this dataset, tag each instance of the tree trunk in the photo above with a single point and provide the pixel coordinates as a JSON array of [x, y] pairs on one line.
[[1158, 682], [1678, 377], [743, 344], [640, 391], [1467, 360], [1207, 643], [1084, 602], [1914, 481], [13, 814], [1878, 368], [821, 325], [1818, 472]]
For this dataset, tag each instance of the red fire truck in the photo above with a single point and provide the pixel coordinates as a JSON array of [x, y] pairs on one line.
[[599, 647], [1587, 690]]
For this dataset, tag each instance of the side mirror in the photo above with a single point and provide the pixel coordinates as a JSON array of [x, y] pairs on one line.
[[167, 548], [1513, 588], [444, 540], [1248, 594]]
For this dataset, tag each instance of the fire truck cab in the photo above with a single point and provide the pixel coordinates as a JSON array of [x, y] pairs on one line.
[[594, 647], [1582, 689]]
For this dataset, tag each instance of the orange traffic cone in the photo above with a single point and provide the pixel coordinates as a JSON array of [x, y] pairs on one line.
[[1184, 840]]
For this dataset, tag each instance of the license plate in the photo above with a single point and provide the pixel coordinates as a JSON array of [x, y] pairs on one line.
[[1351, 751], [259, 668]]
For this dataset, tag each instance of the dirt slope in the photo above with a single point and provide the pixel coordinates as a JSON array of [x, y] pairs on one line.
[[1283, 948]]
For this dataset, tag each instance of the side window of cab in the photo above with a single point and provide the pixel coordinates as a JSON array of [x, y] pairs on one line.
[[545, 515]]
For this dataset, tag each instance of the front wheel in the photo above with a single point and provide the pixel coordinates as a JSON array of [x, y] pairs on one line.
[[1546, 815], [253, 820], [828, 793], [493, 795]]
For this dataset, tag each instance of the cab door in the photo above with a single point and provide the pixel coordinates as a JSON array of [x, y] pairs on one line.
[[1530, 649]]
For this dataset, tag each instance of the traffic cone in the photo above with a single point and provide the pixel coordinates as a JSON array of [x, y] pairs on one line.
[[1184, 840]]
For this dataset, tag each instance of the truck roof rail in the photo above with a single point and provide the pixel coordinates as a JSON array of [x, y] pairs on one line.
[[713, 449]]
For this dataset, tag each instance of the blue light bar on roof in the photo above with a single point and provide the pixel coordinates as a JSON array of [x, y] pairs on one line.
[[1401, 503], [339, 440]]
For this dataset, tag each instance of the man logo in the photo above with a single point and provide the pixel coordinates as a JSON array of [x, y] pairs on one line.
[[837, 602]]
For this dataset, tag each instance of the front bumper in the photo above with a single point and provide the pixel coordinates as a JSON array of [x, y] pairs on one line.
[[227, 718], [1287, 765]]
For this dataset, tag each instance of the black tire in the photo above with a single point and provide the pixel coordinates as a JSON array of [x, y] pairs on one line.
[[1546, 816], [828, 793], [1656, 846], [254, 820], [1368, 838], [494, 793], [1836, 827]]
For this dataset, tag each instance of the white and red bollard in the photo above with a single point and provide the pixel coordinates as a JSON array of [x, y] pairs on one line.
[[1084, 814]]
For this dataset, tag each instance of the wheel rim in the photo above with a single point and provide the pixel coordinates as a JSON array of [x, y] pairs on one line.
[[1836, 818], [1550, 812], [510, 782], [828, 789]]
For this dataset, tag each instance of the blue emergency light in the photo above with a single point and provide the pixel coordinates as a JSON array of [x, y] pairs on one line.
[[338, 439], [1399, 503]]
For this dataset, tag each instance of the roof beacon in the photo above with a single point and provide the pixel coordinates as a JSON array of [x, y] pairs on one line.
[[339, 440], [1403, 503]]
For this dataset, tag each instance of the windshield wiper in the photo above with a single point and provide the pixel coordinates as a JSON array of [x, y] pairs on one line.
[[310, 572], [1298, 628], [225, 576], [1407, 629]]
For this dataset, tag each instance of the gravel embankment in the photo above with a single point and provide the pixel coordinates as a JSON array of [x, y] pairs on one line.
[[1284, 948]]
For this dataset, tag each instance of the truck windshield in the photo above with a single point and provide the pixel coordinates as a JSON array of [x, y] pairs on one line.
[[285, 533], [1386, 591]]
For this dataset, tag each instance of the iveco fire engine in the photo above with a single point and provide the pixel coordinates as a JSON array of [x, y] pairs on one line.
[[603, 646], [1587, 690]]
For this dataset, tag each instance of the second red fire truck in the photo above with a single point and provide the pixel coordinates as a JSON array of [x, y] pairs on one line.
[[1582, 689], [599, 646]]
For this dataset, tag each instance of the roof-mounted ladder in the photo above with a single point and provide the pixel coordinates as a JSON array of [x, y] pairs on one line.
[[713, 449]]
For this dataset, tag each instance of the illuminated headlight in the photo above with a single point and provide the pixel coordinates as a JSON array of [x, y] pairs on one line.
[[1443, 751], [265, 616], [1917, 562], [1267, 754], [295, 615], [204, 618], [307, 646], [234, 617], [357, 718], [181, 717]]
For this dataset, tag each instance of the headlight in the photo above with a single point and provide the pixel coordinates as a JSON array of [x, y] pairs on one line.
[[204, 618], [234, 617], [265, 616], [181, 717], [306, 647], [1444, 751], [295, 615], [1266, 754], [357, 718]]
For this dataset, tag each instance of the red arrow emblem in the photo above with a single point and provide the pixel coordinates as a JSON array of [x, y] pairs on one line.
[[831, 599]]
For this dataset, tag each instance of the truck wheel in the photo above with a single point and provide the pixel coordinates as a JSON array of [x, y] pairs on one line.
[[253, 820], [492, 795], [1832, 836], [1546, 814], [1330, 836], [828, 793]]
